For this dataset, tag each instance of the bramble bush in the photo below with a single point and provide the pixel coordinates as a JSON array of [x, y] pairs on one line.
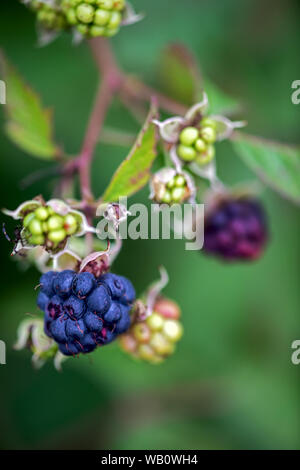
[[83, 304]]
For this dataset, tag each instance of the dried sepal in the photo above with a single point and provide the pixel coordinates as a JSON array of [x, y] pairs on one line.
[[30, 335], [225, 127], [130, 16], [170, 128], [197, 110], [97, 262]]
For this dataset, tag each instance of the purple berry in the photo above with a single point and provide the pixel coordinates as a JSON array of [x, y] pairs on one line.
[[42, 300], [93, 322], [83, 284], [236, 230], [63, 283], [74, 307], [75, 329], [114, 313], [114, 284], [99, 300], [58, 330], [85, 312], [46, 283]]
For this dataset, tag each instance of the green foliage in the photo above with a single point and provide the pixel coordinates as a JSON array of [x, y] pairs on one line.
[[277, 165], [219, 102], [181, 79], [179, 74], [134, 171], [28, 125]]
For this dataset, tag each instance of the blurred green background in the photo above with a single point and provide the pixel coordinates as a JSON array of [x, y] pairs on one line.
[[231, 383]]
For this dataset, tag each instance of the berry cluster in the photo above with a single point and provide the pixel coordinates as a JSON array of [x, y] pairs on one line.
[[170, 187], [236, 229], [82, 311], [94, 17], [154, 339], [49, 16], [44, 226], [196, 143]]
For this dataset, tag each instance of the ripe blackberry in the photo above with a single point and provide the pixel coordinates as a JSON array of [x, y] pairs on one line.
[[236, 229], [82, 311]]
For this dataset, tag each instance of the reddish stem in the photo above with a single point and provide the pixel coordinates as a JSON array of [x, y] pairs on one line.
[[110, 84]]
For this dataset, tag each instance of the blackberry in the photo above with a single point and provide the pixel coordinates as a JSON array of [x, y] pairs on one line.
[[49, 15], [196, 142], [94, 17], [154, 339], [82, 311], [170, 187], [43, 226], [236, 229]]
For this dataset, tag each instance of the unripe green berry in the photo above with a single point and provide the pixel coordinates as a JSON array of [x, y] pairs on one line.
[[41, 213], [105, 4], [186, 153], [141, 332], [57, 236], [178, 194], [85, 13], [146, 353], [83, 29], [70, 224], [208, 122], [155, 322], [189, 135], [28, 218], [200, 145], [119, 5], [171, 183], [173, 330], [180, 181], [208, 134], [50, 210], [96, 31], [207, 156], [35, 227], [36, 239], [55, 222], [102, 17], [45, 227], [111, 32], [166, 197], [71, 16], [115, 20], [161, 345]]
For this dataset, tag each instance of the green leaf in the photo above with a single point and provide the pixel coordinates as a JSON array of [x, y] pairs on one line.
[[179, 74], [219, 102], [181, 80], [28, 125], [134, 171], [277, 165]]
